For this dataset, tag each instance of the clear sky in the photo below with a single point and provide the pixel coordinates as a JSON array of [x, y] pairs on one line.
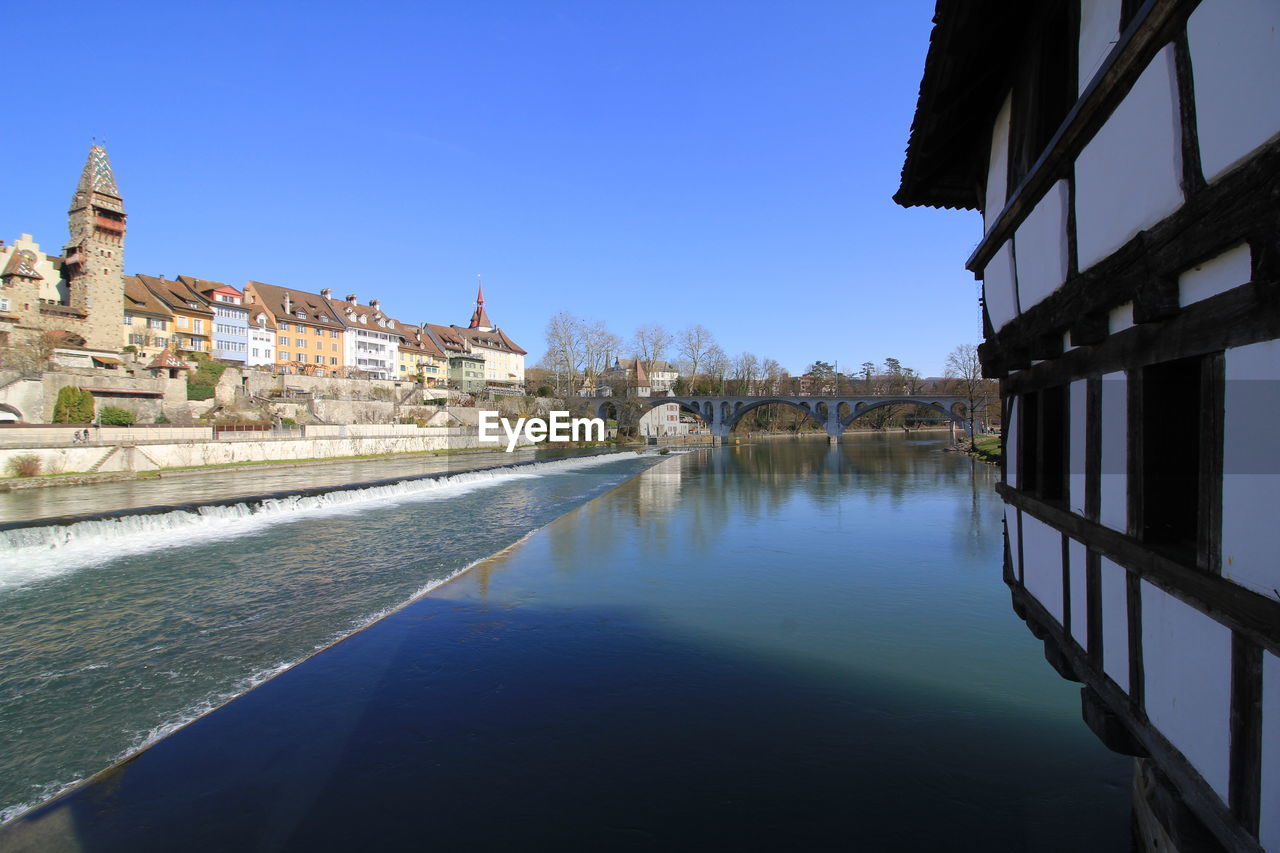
[[670, 161]]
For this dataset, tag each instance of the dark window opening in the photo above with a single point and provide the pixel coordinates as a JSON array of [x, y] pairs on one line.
[[1171, 449], [1042, 444], [1045, 90]]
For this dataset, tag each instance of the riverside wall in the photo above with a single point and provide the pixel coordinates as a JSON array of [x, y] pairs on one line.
[[128, 453]]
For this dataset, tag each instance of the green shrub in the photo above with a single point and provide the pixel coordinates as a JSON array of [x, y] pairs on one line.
[[288, 423], [161, 418], [545, 391], [200, 382], [26, 465], [73, 406], [115, 416], [199, 392]]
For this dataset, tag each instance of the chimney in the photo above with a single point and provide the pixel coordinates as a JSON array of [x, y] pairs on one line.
[[374, 303], [288, 303], [351, 299], [325, 293]]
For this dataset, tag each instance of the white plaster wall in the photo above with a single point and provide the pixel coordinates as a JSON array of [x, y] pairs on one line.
[[1099, 31], [1251, 467], [1120, 318], [1115, 623], [1235, 57], [1010, 428], [1186, 659], [998, 287], [1127, 177], [1078, 408], [1076, 554], [1011, 520], [1219, 274], [1041, 247], [1113, 511], [998, 166], [1042, 554], [1270, 825]]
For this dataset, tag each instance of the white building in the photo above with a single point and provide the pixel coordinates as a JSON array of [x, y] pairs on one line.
[[667, 420], [371, 345], [1126, 160], [262, 339]]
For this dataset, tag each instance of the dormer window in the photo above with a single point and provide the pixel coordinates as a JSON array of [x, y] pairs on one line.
[[324, 318], [301, 315], [364, 318]]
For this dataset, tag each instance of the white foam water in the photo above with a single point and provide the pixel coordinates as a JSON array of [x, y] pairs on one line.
[[32, 554], [358, 499]]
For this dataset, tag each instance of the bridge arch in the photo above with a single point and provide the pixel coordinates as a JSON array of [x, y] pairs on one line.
[[863, 408], [639, 405], [731, 423]]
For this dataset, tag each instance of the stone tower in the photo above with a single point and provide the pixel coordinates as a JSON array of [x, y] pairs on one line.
[[93, 263]]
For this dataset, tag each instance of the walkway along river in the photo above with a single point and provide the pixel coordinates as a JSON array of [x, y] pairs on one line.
[[776, 646]]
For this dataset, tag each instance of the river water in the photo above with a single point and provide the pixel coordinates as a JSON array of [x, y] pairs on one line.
[[782, 646]]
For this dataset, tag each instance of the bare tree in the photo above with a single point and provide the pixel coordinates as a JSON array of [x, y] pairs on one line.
[[964, 369], [745, 369], [693, 344], [599, 346], [651, 343], [772, 374], [566, 352], [32, 354], [717, 367]]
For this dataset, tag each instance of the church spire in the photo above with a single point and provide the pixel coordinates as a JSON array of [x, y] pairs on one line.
[[479, 317]]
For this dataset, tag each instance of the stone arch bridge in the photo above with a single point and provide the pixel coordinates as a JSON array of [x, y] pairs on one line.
[[834, 414]]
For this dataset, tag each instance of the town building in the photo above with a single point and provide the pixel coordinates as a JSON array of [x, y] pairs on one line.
[[309, 335], [192, 316], [148, 322], [503, 358], [421, 358], [659, 376], [262, 336], [466, 368], [371, 339], [230, 318], [670, 421], [1125, 158]]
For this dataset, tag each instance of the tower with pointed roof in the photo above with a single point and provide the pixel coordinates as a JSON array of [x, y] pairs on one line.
[[479, 318], [93, 264]]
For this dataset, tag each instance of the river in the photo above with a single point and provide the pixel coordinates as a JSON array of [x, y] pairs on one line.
[[782, 645]]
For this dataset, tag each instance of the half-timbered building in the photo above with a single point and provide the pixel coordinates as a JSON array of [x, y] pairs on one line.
[[1125, 158]]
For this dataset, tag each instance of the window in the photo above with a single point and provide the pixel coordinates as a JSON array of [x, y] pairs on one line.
[[255, 352], [284, 327], [1173, 447], [197, 325], [4, 303], [182, 322], [153, 323], [333, 360], [128, 319], [300, 342], [333, 347], [161, 342], [284, 356], [319, 359], [1042, 443], [333, 333], [1045, 92], [282, 341]]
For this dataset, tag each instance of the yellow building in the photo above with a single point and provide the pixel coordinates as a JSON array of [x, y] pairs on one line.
[[192, 315], [309, 335], [148, 325], [420, 356]]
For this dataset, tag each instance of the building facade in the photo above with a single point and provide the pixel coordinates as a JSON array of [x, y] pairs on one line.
[[148, 322], [230, 318], [503, 358], [1125, 158], [309, 335]]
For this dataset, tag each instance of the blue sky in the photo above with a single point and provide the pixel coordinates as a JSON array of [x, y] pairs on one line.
[[675, 162]]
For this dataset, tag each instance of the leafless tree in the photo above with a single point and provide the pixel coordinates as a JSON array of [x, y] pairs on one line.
[[651, 343], [772, 375], [599, 348], [32, 354], [745, 369], [566, 352], [717, 367], [693, 344], [964, 369]]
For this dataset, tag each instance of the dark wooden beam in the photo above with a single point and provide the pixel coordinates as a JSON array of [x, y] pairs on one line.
[[1241, 609]]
